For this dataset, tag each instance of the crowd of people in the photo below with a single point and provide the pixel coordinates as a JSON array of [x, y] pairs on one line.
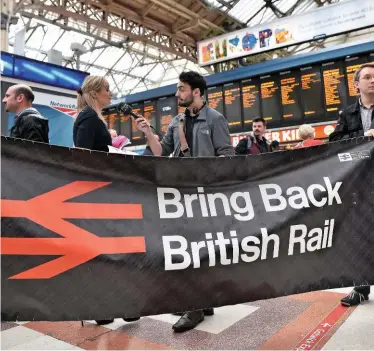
[[199, 131]]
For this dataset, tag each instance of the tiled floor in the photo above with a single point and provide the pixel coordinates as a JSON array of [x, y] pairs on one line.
[[275, 324]]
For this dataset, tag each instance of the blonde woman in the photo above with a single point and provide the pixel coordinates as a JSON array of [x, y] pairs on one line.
[[306, 133], [90, 130]]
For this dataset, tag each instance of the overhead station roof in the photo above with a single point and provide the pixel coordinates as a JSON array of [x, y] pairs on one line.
[[142, 44]]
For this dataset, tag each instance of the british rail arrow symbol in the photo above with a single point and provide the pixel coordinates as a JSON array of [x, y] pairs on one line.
[[77, 245]]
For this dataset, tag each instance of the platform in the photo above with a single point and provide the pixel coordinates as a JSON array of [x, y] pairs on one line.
[[312, 321]]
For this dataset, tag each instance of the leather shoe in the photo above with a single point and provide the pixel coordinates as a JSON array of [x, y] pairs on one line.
[[188, 321], [104, 321], [207, 312], [131, 319]]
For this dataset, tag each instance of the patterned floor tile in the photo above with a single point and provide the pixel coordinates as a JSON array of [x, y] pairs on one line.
[[17, 336], [115, 340], [357, 333], [45, 342], [272, 324], [249, 333], [70, 332], [118, 323], [8, 325], [292, 333], [224, 317]]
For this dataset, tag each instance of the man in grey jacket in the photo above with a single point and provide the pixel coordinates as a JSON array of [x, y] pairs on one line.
[[205, 129], [199, 131], [28, 123]]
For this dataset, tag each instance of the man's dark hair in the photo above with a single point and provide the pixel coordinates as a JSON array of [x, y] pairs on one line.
[[27, 93], [356, 76], [259, 119], [194, 80]]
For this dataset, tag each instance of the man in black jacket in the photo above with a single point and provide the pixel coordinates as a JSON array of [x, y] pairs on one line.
[[355, 121], [28, 123]]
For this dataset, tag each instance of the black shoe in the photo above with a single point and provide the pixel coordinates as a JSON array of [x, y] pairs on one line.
[[363, 289], [354, 298], [131, 319], [188, 321], [207, 312], [104, 321]]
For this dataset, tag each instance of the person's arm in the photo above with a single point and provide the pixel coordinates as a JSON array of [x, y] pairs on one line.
[[167, 142], [84, 137], [221, 137], [341, 131], [163, 148], [32, 129], [242, 147]]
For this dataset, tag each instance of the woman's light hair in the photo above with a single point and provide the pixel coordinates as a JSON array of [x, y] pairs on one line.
[[86, 96], [306, 131]]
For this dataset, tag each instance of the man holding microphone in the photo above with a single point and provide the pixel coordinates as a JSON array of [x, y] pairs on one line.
[[200, 131]]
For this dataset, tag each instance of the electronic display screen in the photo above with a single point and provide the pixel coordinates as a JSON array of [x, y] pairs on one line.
[[290, 95], [114, 122], [125, 125], [352, 64], [215, 98], [44, 73], [233, 113], [137, 137], [334, 88], [181, 109], [311, 93], [304, 94], [250, 101], [6, 64], [167, 110], [270, 99]]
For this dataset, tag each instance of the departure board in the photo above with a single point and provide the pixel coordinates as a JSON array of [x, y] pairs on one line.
[[114, 122], [181, 109], [137, 136], [150, 112], [250, 101], [311, 93], [233, 113], [334, 88], [215, 98], [125, 125], [290, 95], [167, 110], [270, 99], [314, 92], [352, 64]]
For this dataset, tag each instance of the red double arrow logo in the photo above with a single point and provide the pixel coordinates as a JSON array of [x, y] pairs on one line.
[[77, 245]]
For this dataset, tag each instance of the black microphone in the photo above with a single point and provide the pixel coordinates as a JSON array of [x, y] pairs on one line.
[[126, 110]]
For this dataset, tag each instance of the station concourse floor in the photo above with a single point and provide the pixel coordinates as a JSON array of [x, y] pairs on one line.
[[311, 321]]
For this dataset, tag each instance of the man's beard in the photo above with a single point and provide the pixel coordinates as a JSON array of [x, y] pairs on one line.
[[186, 103]]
